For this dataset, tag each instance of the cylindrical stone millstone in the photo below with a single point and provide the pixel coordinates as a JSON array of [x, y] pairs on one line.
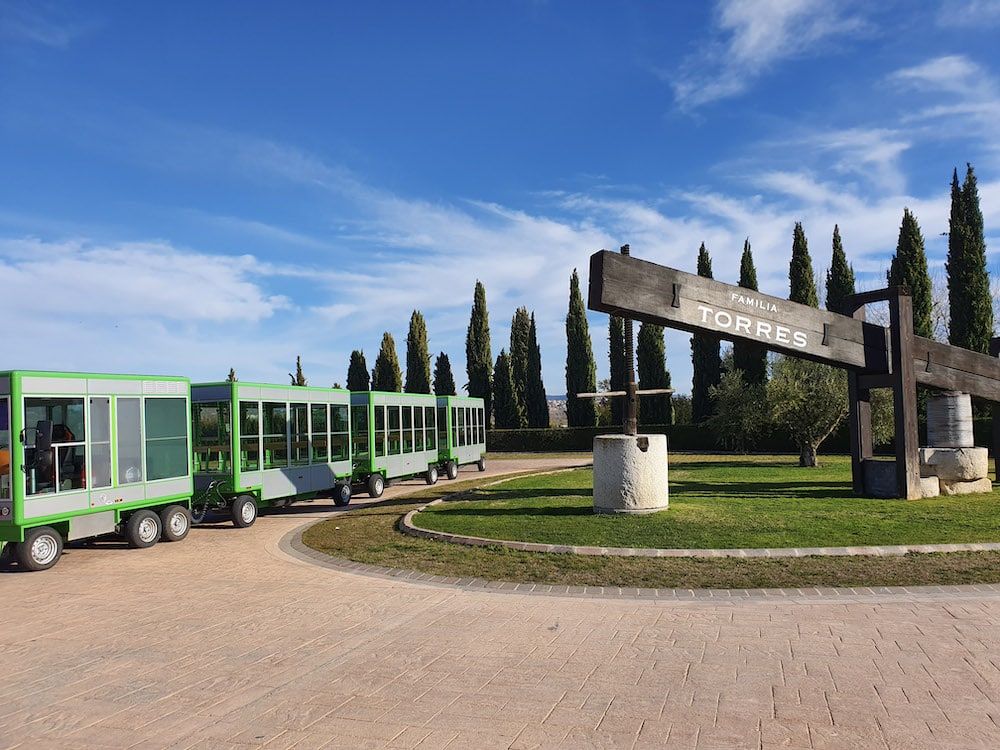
[[949, 420], [630, 474]]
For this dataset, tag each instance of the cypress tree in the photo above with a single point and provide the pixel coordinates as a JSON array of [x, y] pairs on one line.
[[840, 276], [519, 326], [619, 369], [535, 402], [418, 361], [358, 378], [748, 357], [909, 269], [478, 357], [706, 364], [651, 357], [506, 411], [581, 372], [802, 284], [299, 377], [386, 376], [969, 298], [444, 380]]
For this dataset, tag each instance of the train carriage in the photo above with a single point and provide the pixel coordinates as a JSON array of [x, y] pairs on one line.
[[394, 436], [268, 445], [462, 433], [82, 455]]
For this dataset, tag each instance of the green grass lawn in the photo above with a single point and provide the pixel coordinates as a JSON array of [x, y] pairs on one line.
[[808, 506], [720, 502]]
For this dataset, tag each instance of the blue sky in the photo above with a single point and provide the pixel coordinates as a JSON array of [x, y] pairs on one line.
[[188, 186]]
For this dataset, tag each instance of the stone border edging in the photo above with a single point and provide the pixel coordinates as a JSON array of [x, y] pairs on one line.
[[407, 526]]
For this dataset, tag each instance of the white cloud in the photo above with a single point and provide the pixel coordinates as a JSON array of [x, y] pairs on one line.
[[975, 14], [751, 37], [43, 24]]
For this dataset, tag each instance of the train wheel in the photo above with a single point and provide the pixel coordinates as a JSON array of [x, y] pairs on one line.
[[244, 511], [431, 476], [142, 529], [40, 549], [376, 485], [341, 494], [176, 522], [482, 464], [451, 469]]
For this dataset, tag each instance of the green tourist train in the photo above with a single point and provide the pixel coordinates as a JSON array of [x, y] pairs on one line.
[[143, 457]]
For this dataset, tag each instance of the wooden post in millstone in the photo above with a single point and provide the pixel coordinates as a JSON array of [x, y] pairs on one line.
[[630, 470]]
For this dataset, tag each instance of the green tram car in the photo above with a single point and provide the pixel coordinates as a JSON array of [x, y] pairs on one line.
[[393, 436], [462, 422], [85, 455], [82, 455], [259, 445]]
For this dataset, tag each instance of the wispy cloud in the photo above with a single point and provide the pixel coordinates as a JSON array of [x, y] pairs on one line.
[[42, 23], [969, 13], [751, 37]]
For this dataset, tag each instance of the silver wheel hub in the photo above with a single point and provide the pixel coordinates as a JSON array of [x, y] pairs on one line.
[[178, 524], [247, 512], [43, 550], [148, 530]]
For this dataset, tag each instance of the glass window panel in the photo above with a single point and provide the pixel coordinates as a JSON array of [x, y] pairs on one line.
[[249, 436], [128, 431], [166, 438], [359, 431], [395, 445], [4, 448], [275, 435], [299, 425], [99, 473], [319, 433], [379, 430], [212, 436]]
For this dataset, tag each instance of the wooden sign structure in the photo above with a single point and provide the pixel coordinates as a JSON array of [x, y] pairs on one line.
[[875, 357]]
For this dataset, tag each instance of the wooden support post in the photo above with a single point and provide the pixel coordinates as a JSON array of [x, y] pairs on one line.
[[901, 341], [994, 352], [860, 421]]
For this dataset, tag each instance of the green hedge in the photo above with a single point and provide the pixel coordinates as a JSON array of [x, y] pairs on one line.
[[685, 437]]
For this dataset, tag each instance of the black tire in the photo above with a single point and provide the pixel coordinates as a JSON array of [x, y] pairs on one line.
[[143, 529], [451, 469], [376, 485], [176, 522], [431, 476], [481, 465], [40, 549], [341, 494], [244, 511]]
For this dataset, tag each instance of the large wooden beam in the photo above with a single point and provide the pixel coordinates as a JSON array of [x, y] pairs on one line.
[[634, 288]]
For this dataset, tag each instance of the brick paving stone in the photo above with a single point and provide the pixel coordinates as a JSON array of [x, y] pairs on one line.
[[233, 639]]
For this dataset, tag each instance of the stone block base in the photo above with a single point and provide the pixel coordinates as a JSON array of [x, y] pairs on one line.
[[630, 474], [954, 464], [966, 488]]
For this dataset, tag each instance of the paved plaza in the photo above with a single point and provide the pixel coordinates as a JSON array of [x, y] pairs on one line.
[[237, 639]]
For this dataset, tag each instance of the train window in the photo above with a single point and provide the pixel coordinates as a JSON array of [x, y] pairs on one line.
[[359, 430], [212, 436], [339, 432], [63, 466], [407, 429], [299, 424], [4, 448], [99, 472], [429, 426], [418, 428], [249, 436], [379, 430], [319, 433], [166, 438], [128, 420], [395, 446], [275, 435]]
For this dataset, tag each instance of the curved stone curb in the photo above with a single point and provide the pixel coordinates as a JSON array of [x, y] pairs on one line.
[[407, 526], [292, 545]]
